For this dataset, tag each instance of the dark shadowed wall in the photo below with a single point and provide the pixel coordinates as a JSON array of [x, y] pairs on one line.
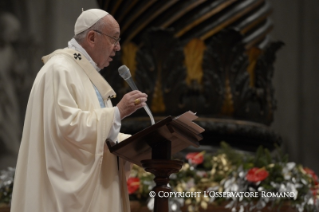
[[297, 78]]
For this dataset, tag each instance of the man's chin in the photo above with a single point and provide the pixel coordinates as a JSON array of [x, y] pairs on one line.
[[106, 64]]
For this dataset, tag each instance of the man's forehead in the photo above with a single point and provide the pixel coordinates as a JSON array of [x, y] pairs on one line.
[[111, 24], [111, 21]]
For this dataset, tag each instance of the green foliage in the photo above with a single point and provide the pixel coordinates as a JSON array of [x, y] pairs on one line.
[[228, 168], [232, 155], [223, 171], [6, 186]]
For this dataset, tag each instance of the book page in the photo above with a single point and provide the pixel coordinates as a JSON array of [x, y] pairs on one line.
[[186, 119]]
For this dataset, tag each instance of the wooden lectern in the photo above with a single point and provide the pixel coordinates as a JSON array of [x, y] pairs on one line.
[[153, 147]]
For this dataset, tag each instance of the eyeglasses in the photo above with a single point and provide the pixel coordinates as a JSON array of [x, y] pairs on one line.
[[116, 40]]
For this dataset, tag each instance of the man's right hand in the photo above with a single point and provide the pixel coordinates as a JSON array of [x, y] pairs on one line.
[[127, 104]]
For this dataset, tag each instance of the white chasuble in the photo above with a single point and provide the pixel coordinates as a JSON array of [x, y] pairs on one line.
[[64, 164]]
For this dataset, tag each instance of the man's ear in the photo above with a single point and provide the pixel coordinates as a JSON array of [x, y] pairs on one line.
[[91, 38]]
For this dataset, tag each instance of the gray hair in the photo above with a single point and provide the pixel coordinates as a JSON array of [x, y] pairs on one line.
[[97, 26]]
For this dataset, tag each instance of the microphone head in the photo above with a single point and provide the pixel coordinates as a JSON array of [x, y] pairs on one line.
[[124, 72]]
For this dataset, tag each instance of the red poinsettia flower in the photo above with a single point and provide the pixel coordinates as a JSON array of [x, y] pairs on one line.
[[314, 177], [133, 183], [314, 191], [312, 174], [256, 174], [195, 157]]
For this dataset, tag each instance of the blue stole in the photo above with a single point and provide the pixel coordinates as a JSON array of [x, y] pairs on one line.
[[99, 97]]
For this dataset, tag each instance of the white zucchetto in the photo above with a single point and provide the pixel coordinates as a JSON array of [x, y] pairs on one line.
[[87, 19]]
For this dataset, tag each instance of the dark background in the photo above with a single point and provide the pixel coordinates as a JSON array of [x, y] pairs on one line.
[[46, 25]]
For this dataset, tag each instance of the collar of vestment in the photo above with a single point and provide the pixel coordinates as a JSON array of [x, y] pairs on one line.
[[73, 44], [96, 78]]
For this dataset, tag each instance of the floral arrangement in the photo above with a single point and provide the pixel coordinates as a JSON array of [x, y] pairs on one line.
[[260, 181], [270, 176], [6, 186]]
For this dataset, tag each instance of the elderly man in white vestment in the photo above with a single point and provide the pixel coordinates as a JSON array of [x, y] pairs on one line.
[[63, 163]]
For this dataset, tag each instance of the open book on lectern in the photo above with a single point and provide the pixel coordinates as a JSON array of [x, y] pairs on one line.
[[181, 131]]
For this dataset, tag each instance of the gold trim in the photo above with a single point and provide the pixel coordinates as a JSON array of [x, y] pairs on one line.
[[180, 13], [259, 38], [231, 20], [228, 104], [253, 55], [256, 22], [128, 56], [157, 105], [127, 10], [136, 15], [149, 19], [194, 52], [204, 17]]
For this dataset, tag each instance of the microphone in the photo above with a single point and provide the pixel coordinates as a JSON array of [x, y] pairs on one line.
[[126, 75]]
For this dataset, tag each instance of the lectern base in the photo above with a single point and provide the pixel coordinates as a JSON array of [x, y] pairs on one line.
[[162, 169]]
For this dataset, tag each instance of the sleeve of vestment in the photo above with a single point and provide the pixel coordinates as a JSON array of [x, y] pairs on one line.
[[115, 130], [79, 122]]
